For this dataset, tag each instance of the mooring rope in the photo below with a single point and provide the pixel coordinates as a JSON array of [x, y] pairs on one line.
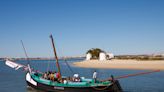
[[137, 74], [132, 75]]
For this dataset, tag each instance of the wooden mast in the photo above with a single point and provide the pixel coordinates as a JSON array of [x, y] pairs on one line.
[[57, 63]]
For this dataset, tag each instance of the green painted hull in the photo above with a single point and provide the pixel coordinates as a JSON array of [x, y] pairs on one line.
[[86, 85]]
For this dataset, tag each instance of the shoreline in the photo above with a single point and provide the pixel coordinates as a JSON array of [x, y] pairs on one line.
[[122, 64]]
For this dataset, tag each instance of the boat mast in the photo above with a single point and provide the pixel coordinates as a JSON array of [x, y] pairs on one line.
[[57, 64], [28, 64]]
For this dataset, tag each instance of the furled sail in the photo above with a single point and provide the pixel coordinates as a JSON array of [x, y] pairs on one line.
[[14, 65]]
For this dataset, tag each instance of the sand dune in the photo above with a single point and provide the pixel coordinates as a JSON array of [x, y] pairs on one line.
[[122, 64]]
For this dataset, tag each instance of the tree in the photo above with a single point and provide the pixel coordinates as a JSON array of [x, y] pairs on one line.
[[95, 52]]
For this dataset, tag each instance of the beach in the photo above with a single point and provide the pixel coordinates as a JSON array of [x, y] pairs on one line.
[[122, 64]]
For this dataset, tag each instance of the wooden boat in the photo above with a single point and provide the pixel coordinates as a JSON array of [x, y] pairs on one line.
[[36, 80], [86, 85]]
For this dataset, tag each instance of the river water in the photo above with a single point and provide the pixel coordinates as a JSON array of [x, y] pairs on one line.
[[14, 81]]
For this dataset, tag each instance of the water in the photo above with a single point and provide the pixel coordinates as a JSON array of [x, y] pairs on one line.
[[14, 81]]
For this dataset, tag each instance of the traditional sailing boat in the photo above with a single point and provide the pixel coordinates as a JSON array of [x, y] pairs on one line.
[[36, 80]]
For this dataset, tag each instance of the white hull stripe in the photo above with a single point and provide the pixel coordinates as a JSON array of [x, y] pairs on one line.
[[29, 79]]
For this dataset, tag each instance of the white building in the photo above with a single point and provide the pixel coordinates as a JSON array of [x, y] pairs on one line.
[[102, 56], [88, 56], [110, 56]]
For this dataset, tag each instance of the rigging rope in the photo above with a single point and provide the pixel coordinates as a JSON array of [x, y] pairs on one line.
[[69, 66], [48, 65], [25, 52]]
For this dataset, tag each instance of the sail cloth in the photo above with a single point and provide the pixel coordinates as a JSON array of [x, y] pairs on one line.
[[14, 65]]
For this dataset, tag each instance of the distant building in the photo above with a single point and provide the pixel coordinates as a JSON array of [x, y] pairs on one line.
[[102, 56], [88, 56], [110, 56]]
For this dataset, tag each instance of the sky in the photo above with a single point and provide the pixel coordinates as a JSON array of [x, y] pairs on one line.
[[116, 26]]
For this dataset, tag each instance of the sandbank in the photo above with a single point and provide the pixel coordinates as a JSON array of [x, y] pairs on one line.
[[122, 64]]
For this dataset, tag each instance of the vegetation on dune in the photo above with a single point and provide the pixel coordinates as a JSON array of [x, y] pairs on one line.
[[140, 57], [95, 52]]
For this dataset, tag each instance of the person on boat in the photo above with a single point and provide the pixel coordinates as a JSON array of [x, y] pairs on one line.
[[76, 78], [48, 75], [65, 81], [58, 79], [57, 75], [52, 76], [45, 75], [95, 76]]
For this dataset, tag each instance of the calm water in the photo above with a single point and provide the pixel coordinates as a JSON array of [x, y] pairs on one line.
[[14, 81]]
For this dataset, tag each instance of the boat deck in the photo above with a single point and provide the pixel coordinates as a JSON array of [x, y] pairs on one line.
[[84, 82]]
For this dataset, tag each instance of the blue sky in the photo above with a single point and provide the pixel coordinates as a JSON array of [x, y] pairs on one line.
[[118, 26]]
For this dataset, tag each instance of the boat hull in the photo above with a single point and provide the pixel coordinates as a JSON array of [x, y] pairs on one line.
[[114, 87]]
